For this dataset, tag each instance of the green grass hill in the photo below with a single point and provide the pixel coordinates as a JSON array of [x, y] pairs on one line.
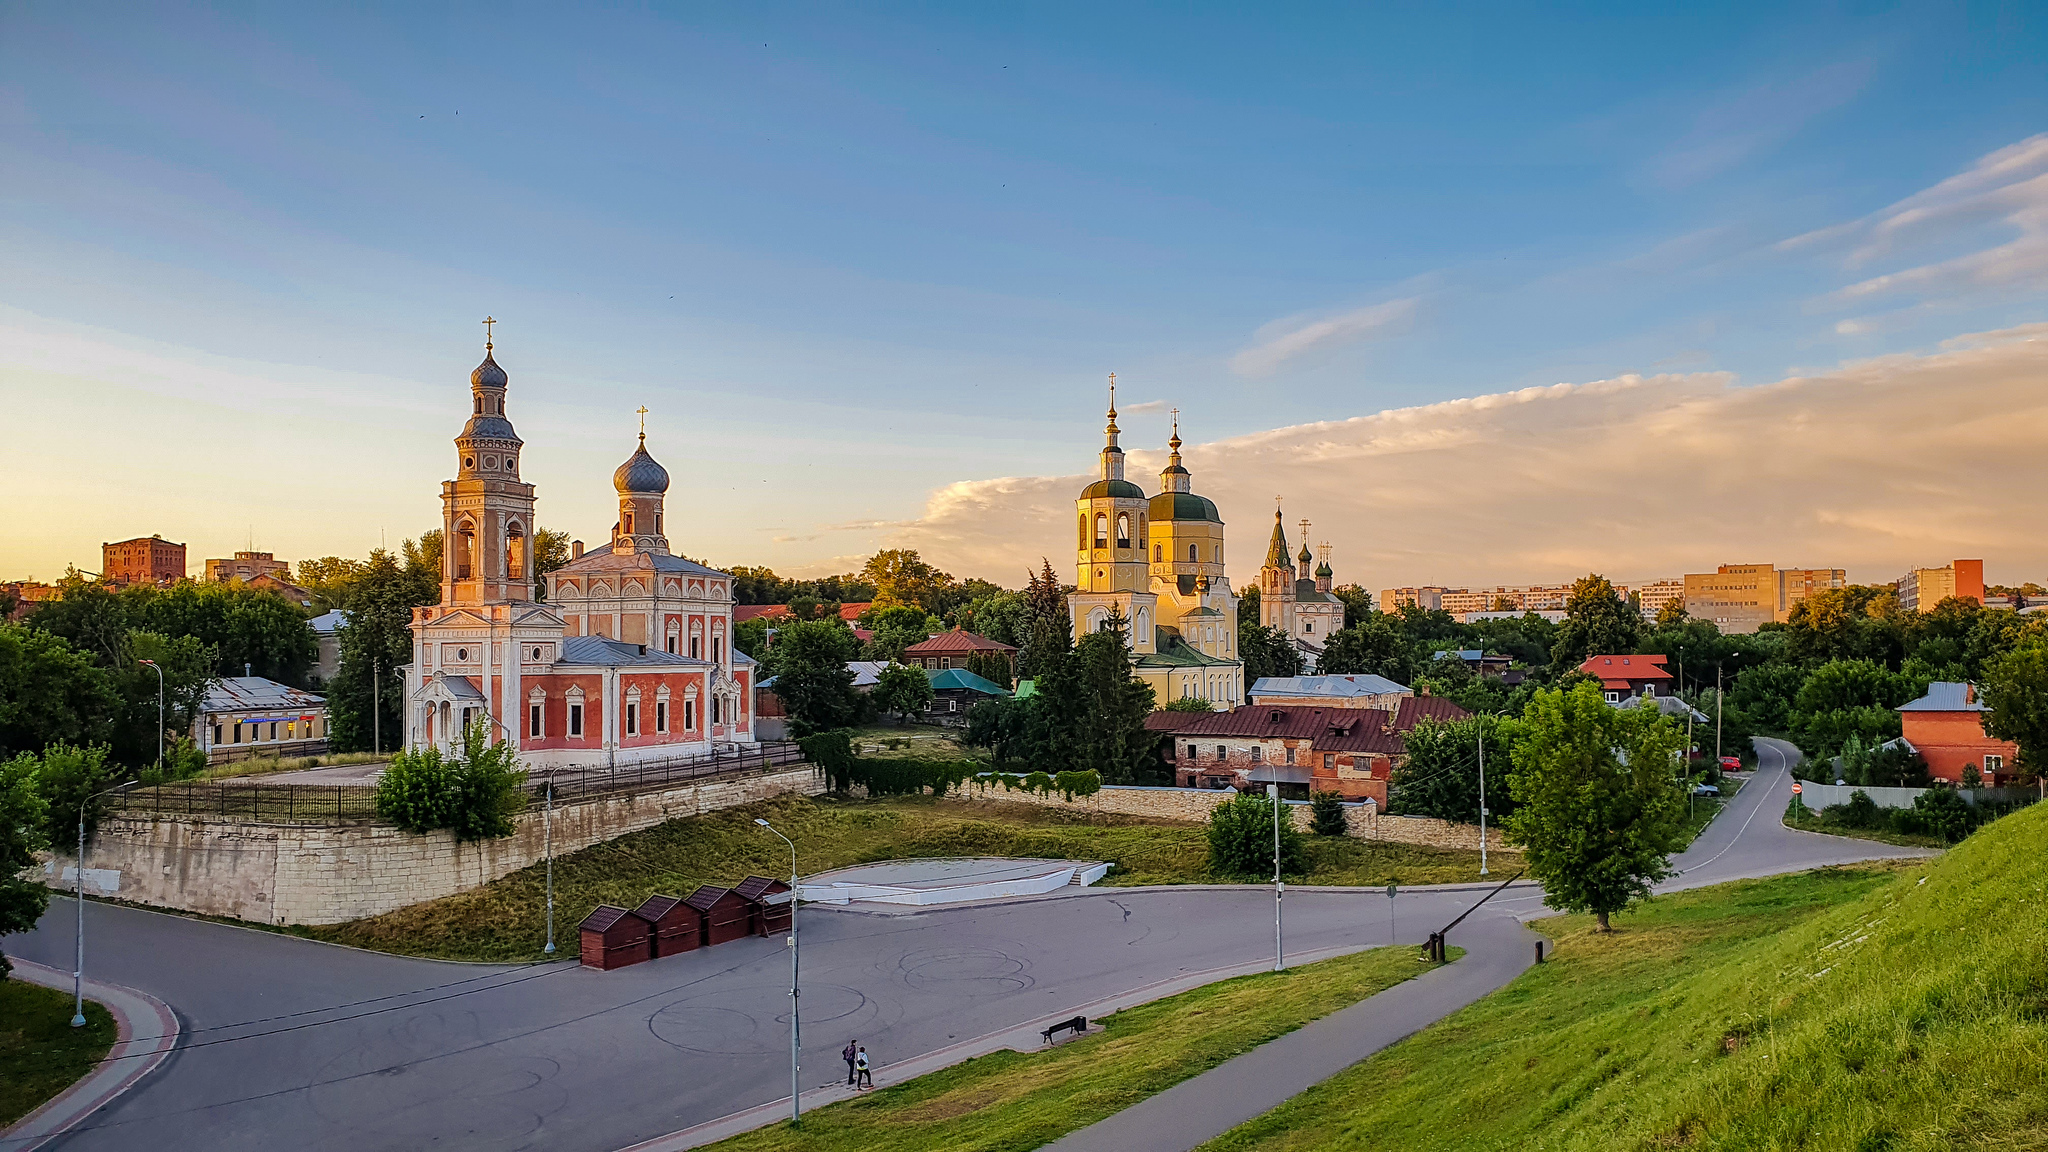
[[1862, 1010]]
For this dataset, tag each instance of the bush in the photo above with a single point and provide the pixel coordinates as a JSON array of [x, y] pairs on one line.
[[473, 794], [1941, 812], [1068, 784], [68, 778], [832, 754], [1241, 841], [1327, 810]]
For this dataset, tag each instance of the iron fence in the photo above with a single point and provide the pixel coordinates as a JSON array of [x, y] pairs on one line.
[[355, 803]]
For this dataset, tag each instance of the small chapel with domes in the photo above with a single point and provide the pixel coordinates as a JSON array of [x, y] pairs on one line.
[[1156, 562], [626, 660]]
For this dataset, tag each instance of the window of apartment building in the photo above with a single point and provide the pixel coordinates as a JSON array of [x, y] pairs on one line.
[[575, 719], [661, 715], [632, 718], [534, 713]]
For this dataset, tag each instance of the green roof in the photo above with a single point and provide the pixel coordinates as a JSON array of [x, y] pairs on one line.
[[1184, 506], [962, 678], [1175, 652], [1114, 489], [1026, 689]]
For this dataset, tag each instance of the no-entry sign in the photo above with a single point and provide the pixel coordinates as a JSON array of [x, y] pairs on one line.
[[1797, 788]]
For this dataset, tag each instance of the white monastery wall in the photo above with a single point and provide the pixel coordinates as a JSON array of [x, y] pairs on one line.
[[313, 874]]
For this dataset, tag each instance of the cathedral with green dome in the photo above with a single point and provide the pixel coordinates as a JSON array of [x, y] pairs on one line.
[[1157, 562]]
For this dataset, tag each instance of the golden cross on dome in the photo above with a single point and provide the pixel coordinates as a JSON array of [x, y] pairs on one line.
[[487, 332], [643, 423]]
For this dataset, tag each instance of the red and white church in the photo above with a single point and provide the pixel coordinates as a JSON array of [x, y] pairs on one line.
[[628, 659]]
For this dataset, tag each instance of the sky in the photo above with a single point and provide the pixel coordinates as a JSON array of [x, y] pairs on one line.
[[1488, 293]]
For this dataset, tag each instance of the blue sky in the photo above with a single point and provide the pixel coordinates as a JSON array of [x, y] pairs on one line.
[[849, 256]]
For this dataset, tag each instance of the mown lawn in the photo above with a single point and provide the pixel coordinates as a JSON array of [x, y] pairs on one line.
[[1873, 1009], [505, 920], [41, 1054], [1014, 1101]]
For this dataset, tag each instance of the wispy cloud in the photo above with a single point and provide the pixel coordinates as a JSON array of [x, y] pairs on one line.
[[2007, 187], [1142, 407], [1748, 121], [1283, 340], [1636, 476]]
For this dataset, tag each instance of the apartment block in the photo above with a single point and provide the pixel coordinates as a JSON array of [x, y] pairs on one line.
[[247, 566], [1744, 597], [1429, 599], [1922, 588]]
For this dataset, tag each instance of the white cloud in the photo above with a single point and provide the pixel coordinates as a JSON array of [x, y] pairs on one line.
[[1283, 340], [1875, 466], [1743, 123]]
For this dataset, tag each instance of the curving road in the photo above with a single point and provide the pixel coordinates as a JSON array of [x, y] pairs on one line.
[[331, 1048]]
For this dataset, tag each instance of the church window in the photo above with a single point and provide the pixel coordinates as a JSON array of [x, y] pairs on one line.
[[576, 720], [1308, 626], [1123, 530], [479, 405], [671, 643], [465, 550], [718, 649], [632, 718], [689, 715], [657, 523], [490, 462], [1256, 754], [1143, 536], [469, 461], [1101, 530], [462, 653], [1194, 553], [1081, 540], [1157, 553], [629, 523], [696, 647], [534, 714], [515, 553], [661, 715]]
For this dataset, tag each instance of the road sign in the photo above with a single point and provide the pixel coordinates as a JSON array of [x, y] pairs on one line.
[[1797, 788]]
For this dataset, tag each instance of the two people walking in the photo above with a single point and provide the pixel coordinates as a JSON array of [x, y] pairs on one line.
[[857, 1074]]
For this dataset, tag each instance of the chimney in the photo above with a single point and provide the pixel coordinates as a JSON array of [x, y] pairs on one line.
[[575, 549], [246, 673]]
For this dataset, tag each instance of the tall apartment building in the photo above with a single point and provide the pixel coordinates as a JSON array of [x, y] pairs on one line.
[[1654, 595], [246, 566], [143, 560], [1465, 603], [1429, 599], [1744, 597], [1922, 588]]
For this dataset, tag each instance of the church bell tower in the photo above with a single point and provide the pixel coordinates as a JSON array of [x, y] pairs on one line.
[[487, 511]]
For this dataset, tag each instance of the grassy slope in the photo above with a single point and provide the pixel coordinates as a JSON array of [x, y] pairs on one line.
[[1815, 824], [1867, 1010], [504, 920], [1014, 1101], [40, 1053]]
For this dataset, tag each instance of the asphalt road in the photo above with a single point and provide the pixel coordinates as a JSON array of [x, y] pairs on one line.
[[318, 1047]]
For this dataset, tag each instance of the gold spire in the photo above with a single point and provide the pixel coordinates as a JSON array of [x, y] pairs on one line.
[[1175, 442], [643, 425], [487, 332], [1112, 429]]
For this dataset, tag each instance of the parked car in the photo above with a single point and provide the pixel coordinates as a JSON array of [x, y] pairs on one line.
[[1731, 763], [1705, 790]]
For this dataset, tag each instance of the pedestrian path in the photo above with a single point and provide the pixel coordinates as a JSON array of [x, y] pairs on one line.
[[145, 1032], [1497, 949]]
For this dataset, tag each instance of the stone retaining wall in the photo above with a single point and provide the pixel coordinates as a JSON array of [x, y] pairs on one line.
[[312, 874], [1195, 804]]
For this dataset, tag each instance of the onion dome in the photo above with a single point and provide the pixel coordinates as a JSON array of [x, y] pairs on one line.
[[640, 474], [1305, 555], [487, 374], [1184, 506], [1113, 489], [1324, 570]]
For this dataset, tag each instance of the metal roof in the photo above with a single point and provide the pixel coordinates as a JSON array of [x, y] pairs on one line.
[[958, 640], [254, 693], [1339, 687], [612, 653], [602, 917], [755, 887], [328, 623], [961, 678], [1282, 774], [1947, 696]]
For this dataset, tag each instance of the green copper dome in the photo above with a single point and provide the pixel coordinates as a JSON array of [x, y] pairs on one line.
[[1113, 489], [1183, 506]]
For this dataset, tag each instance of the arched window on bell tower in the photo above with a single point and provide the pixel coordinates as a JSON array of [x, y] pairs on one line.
[[1123, 529], [1101, 530], [465, 550], [515, 552]]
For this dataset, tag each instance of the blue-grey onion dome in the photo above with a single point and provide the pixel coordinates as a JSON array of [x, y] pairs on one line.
[[487, 374], [640, 475]]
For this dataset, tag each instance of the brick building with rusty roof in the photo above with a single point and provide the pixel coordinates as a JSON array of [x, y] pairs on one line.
[[1349, 751]]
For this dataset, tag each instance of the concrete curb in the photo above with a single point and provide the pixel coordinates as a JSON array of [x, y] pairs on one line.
[[146, 1032], [1022, 1038], [1111, 889]]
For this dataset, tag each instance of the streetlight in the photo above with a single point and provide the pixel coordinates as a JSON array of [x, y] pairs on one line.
[[547, 837], [795, 1026], [78, 972], [1273, 794], [159, 711]]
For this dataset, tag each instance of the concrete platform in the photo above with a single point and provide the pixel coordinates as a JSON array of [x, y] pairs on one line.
[[950, 880]]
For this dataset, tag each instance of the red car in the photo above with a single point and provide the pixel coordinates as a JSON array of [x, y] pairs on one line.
[[1731, 763]]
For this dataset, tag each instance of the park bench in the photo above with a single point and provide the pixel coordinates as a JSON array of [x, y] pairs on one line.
[[1077, 1025]]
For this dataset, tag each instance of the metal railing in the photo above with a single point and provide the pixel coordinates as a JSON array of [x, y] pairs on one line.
[[356, 803], [257, 803]]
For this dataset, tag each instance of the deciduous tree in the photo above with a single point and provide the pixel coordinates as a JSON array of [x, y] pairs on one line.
[[1597, 620], [24, 821], [2016, 689], [902, 690]]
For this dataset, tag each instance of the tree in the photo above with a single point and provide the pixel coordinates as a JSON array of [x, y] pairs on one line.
[[1266, 652], [473, 793], [187, 670], [24, 820], [1440, 778], [1241, 841], [1357, 603], [896, 627], [1113, 740], [1248, 606], [70, 778], [1189, 704], [902, 690], [1845, 697], [366, 698], [998, 616], [751, 636], [1373, 646], [1598, 809], [50, 692], [993, 667], [901, 576], [550, 551], [2016, 690], [328, 579], [1046, 631], [1860, 622], [1327, 814], [1597, 620], [423, 566], [811, 677]]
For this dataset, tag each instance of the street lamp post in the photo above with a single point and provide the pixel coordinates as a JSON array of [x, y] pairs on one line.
[[1279, 952], [795, 1025], [78, 970], [158, 668], [547, 836]]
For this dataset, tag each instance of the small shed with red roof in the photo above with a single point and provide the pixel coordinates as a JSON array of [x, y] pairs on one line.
[[725, 914], [1631, 675], [675, 926], [768, 918], [613, 938]]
